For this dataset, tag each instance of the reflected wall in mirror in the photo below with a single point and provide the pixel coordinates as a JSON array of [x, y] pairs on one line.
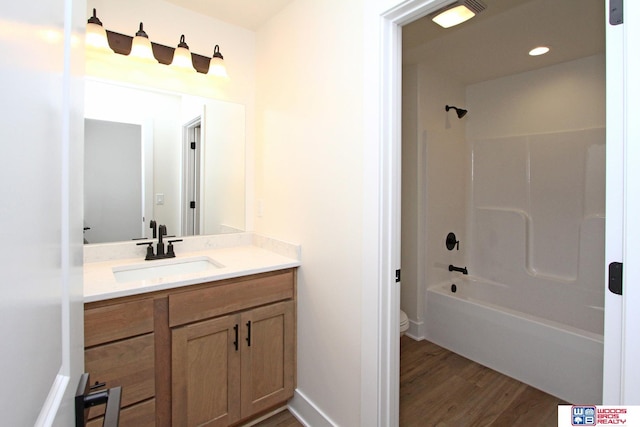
[[140, 165]]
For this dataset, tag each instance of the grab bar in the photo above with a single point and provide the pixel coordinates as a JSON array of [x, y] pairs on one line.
[[85, 399], [458, 269]]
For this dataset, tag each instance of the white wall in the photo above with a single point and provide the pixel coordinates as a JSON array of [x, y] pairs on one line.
[[320, 178], [224, 178], [41, 213], [309, 181]]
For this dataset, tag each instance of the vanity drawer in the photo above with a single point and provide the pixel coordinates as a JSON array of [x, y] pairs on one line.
[[118, 321], [139, 415], [128, 363], [235, 295]]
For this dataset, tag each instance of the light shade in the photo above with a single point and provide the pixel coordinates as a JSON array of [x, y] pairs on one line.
[[216, 66], [141, 46], [454, 16], [182, 56], [96, 36]]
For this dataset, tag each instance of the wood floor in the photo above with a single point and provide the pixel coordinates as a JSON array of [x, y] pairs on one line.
[[442, 389]]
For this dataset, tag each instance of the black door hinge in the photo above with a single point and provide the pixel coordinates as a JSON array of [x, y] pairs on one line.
[[615, 12], [397, 275], [192, 205], [193, 145], [615, 278]]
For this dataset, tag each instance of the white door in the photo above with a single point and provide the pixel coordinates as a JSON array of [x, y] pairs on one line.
[[113, 181], [631, 295], [622, 319], [614, 224], [41, 210]]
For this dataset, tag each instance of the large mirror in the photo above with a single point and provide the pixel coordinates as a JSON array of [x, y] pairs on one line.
[[176, 159]]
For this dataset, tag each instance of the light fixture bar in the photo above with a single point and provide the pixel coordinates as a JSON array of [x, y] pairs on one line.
[[121, 44]]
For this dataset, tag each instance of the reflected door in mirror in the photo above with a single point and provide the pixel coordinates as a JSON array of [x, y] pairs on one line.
[[113, 181]]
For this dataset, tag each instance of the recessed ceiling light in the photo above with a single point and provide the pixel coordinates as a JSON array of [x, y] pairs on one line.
[[540, 50]]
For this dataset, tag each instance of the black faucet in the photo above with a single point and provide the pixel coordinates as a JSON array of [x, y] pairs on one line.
[[159, 254], [162, 231], [458, 269], [152, 225]]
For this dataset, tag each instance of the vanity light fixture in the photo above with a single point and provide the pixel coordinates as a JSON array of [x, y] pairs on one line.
[[182, 56], [141, 46], [216, 66], [458, 12], [540, 50], [96, 35]]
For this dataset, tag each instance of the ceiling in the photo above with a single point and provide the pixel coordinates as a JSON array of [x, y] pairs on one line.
[[249, 14], [493, 44], [496, 42]]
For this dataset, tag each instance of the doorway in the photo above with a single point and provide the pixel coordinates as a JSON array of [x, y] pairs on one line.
[[390, 131], [519, 179], [191, 202]]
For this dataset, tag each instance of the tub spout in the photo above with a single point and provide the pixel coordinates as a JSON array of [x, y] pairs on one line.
[[459, 269]]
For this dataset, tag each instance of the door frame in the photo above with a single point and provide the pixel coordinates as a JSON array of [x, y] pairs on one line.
[[192, 177], [390, 102]]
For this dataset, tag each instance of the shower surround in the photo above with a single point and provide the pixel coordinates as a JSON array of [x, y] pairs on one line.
[[537, 218], [532, 223], [533, 308]]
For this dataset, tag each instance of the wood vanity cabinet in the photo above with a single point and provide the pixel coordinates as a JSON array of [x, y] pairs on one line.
[[215, 354], [119, 351], [228, 365]]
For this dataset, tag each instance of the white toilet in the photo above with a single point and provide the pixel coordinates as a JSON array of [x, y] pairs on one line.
[[404, 322]]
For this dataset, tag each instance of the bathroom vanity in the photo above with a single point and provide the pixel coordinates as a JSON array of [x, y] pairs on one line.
[[215, 348]]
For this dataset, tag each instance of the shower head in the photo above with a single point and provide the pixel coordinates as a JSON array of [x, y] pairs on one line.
[[459, 111]]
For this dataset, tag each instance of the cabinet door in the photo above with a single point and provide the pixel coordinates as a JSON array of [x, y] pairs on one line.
[[268, 356], [206, 373]]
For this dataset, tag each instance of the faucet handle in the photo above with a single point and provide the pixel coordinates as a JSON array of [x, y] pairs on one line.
[[170, 252], [150, 254]]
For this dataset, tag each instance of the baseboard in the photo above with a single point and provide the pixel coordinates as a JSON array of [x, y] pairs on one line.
[[265, 416], [307, 412], [416, 330]]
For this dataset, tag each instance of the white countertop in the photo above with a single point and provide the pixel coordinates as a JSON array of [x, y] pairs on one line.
[[100, 282]]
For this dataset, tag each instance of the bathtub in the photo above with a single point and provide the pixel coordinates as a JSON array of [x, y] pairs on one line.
[[481, 322]]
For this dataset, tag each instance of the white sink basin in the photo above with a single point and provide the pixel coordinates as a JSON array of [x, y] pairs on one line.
[[164, 268]]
